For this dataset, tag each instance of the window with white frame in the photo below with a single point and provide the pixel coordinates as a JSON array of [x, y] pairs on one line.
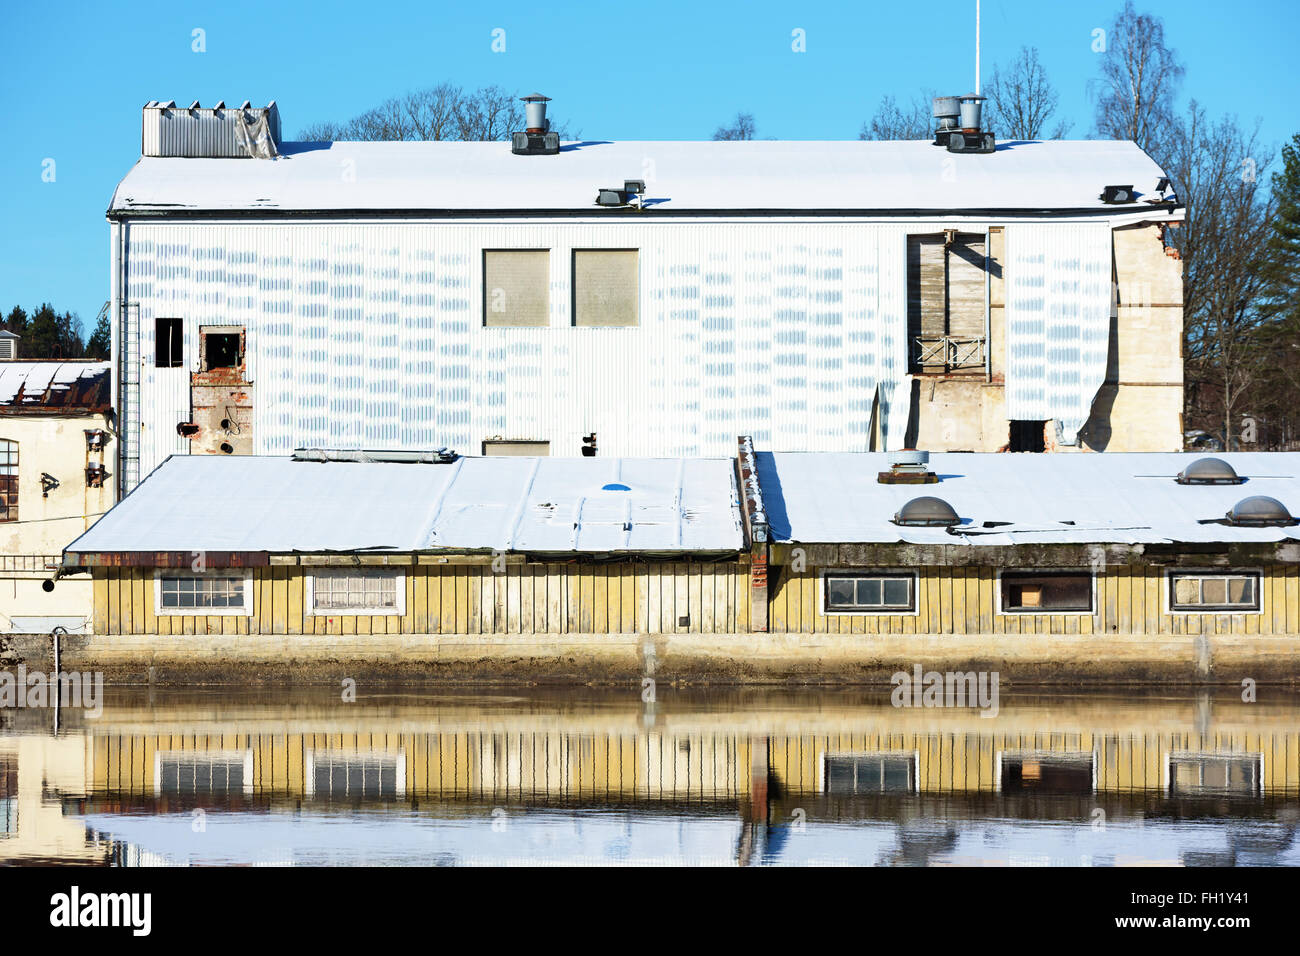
[[848, 592], [203, 772], [868, 773], [355, 775], [214, 593], [1198, 774], [1214, 591], [358, 591]]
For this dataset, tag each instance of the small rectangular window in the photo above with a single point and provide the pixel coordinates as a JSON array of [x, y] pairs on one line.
[[353, 775], [1197, 774], [8, 480], [868, 773], [169, 343], [358, 592], [1046, 773], [211, 594], [517, 287], [203, 772], [1046, 592], [221, 346], [880, 593], [1214, 591], [606, 287]]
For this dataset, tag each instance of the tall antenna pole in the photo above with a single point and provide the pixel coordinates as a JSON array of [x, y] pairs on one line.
[[977, 47]]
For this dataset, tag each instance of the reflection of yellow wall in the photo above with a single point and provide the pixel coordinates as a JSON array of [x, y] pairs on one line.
[[465, 599], [47, 766], [1129, 600], [496, 765]]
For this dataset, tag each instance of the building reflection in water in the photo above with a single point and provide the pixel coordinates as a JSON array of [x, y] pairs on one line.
[[737, 777]]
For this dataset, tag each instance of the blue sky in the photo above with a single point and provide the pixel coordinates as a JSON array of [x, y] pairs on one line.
[[75, 76]]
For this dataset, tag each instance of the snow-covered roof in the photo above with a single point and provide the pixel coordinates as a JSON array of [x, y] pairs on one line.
[[1017, 499], [279, 505], [36, 385], [884, 177]]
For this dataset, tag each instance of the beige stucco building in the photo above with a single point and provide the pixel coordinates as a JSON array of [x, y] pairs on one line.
[[56, 444]]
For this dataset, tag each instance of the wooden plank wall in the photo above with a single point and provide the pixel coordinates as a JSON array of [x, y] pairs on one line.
[[1130, 600], [468, 599], [497, 766]]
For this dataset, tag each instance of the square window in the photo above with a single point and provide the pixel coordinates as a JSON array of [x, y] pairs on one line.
[[517, 287], [606, 288]]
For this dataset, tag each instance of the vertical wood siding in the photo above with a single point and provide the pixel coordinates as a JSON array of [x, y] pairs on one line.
[[1129, 600], [531, 598]]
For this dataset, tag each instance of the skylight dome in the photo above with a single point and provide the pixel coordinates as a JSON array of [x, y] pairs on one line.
[[1209, 471], [1260, 511], [927, 512]]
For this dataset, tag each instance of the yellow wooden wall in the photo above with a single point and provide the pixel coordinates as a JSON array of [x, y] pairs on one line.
[[1130, 600], [465, 599], [486, 765]]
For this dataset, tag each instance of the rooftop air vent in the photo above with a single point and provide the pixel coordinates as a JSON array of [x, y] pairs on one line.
[[1260, 511], [218, 132], [927, 512], [969, 136], [632, 189], [1209, 471], [908, 468], [536, 139], [1116, 195]]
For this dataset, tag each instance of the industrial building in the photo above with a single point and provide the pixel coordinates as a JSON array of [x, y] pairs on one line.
[[637, 299], [58, 461], [808, 565]]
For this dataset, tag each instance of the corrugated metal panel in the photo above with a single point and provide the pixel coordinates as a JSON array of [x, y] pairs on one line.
[[1058, 289], [178, 131], [371, 335]]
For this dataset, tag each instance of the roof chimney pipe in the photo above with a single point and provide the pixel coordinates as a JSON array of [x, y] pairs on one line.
[[535, 113], [536, 139]]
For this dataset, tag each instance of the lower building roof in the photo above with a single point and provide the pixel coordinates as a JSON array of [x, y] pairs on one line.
[[33, 386], [243, 504], [1020, 499]]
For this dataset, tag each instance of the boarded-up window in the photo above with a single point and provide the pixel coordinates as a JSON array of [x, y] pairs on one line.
[[517, 287], [945, 301], [522, 449], [606, 289]]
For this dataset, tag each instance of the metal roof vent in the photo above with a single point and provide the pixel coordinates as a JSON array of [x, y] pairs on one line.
[[1209, 471], [908, 468], [970, 136], [1260, 511], [927, 512], [536, 139]]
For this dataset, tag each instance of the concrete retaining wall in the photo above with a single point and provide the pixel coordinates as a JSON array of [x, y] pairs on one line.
[[694, 658]]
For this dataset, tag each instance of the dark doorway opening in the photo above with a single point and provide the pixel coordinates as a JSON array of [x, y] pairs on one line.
[[1027, 436]]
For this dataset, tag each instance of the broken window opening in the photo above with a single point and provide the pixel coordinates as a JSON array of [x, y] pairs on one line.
[[946, 302], [1028, 437], [1046, 591], [169, 343], [222, 350]]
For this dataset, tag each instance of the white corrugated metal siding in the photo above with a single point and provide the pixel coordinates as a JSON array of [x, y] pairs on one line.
[[1058, 294], [371, 334]]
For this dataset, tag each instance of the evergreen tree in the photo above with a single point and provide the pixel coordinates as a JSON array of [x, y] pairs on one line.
[[1282, 272], [15, 321], [42, 338], [101, 339]]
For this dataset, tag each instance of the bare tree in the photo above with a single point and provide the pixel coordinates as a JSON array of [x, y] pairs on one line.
[[1140, 74], [442, 112], [742, 128], [1218, 171], [891, 121], [1022, 101]]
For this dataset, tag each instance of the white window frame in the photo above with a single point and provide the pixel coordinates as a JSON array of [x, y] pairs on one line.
[[309, 594], [1203, 755], [311, 756], [1094, 755], [243, 756], [914, 756], [997, 597], [824, 611], [243, 574], [1170, 573]]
